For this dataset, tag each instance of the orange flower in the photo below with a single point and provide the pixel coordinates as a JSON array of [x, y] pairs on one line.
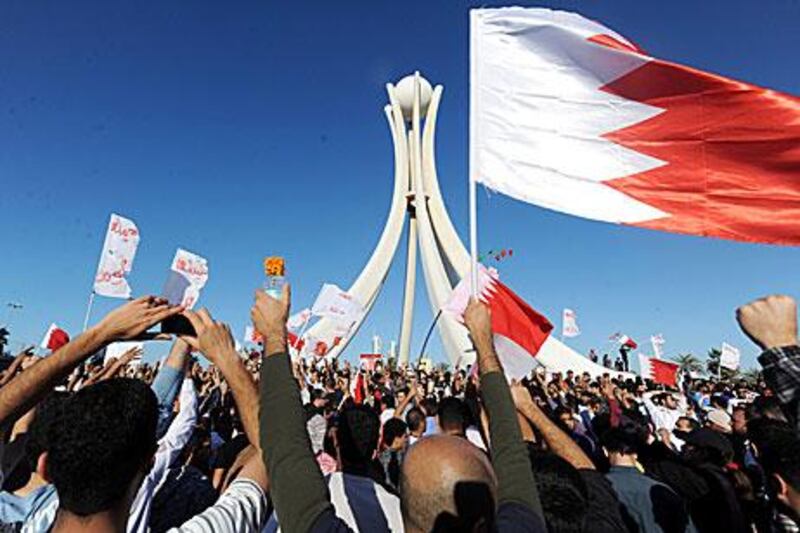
[[274, 266]]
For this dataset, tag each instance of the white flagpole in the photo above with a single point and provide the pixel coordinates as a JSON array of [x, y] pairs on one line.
[[473, 166], [88, 311]]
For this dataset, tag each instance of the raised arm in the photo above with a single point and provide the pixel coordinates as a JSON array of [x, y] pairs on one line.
[[126, 322], [297, 488], [771, 323], [558, 441], [214, 339], [515, 481]]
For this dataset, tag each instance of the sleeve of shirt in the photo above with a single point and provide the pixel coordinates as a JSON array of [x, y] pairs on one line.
[[782, 374], [179, 432], [242, 508], [297, 488], [165, 386], [515, 479]]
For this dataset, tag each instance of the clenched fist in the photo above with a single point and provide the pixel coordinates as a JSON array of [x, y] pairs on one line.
[[770, 322]]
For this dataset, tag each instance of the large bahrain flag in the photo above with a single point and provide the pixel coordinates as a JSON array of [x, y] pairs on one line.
[[572, 116]]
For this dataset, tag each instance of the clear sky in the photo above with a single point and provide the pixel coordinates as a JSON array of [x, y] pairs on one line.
[[239, 130]]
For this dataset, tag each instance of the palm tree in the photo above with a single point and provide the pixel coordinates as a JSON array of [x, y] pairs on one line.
[[751, 376], [688, 363]]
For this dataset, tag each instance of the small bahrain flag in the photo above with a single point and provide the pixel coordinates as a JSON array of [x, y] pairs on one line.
[[54, 338], [519, 331], [660, 371], [570, 115]]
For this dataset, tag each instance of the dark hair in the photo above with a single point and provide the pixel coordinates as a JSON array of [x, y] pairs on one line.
[[98, 441], [562, 492], [778, 449], [452, 415], [359, 429], [415, 419], [388, 401], [392, 429], [625, 439]]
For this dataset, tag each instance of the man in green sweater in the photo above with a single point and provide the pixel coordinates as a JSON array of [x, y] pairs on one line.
[[445, 484]]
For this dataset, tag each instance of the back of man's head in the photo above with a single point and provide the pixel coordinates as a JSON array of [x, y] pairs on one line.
[[415, 419], [623, 440], [453, 416], [357, 435], [447, 485], [562, 492], [98, 442]]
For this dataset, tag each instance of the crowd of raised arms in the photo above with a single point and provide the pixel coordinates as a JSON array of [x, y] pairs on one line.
[[255, 442]]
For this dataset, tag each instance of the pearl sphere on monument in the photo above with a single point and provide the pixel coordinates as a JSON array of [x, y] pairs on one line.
[[405, 95]]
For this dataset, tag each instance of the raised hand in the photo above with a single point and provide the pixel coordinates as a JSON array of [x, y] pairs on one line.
[[521, 395], [131, 320], [770, 322], [213, 338], [269, 317], [478, 319]]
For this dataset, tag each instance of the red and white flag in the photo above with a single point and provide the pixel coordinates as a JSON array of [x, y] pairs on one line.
[[298, 320], [658, 370], [569, 324], [369, 360], [623, 340], [519, 331], [54, 339], [116, 259], [569, 115]]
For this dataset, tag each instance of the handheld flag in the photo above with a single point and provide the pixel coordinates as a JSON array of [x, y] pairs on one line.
[[54, 338], [519, 331]]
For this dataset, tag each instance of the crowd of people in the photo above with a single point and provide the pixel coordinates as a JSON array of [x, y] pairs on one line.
[[256, 441]]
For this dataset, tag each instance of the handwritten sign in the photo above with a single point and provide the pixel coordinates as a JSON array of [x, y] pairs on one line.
[[194, 270], [116, 259]]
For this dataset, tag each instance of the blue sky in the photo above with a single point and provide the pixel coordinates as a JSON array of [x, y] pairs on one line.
[[256, 128]]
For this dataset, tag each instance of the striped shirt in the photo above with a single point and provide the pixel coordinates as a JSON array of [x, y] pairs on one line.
[[242, 508], [361, 503]]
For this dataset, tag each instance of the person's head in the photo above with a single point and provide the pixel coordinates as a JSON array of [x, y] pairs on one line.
[[99, 446], [318, 398], [670, 402], [622, 443], [395, 434], [357, 436], [565, 418], [562, 492], [719, 421], [387, 402], [686, 424], [457, 495], [706, 446], [778, 450], [739, 420], [453, 417], [415, 419]]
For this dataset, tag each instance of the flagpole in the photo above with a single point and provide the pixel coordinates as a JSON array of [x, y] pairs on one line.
[[473, 164], [88, 311]]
